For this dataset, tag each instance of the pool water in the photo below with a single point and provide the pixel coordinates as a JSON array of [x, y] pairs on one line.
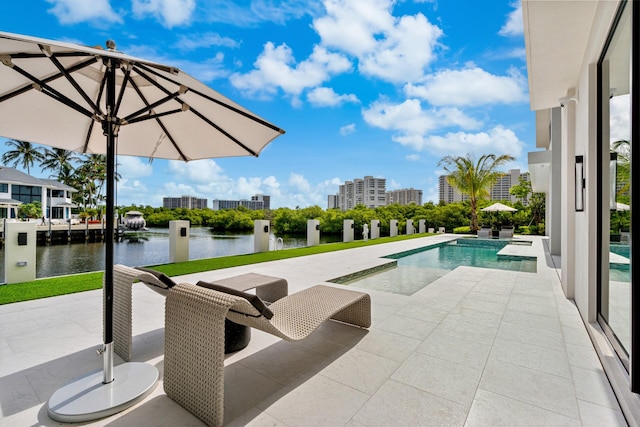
[[418, 268], [460, 252]]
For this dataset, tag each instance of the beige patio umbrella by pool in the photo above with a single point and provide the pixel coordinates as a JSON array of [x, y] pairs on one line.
[[499, 207], [93, 100]]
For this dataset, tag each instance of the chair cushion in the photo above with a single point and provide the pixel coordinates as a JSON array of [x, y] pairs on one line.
[[254, 300], [166, 280]]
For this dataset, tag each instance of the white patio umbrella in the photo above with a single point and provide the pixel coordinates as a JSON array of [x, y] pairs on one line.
[[93, 100], [499, 207]]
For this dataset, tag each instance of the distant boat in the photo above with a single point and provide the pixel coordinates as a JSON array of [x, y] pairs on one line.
[[133, 220]]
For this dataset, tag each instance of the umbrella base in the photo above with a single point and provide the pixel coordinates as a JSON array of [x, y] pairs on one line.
[[87, 398]]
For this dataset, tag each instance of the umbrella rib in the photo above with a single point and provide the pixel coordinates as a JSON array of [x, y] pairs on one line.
[[48, 90], [127, 76], [30, 86], [222, 131], [150, 107], [103, 83], [162, 126], [74, 83], [196, 112], [217, 101], [154, 116]]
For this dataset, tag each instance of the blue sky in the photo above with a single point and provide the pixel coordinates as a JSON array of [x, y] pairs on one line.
[[362, 87]]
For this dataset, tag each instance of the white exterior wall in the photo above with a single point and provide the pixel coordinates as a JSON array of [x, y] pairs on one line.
[[581, 240]]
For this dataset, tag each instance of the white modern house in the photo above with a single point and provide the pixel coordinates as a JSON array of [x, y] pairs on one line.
[[17, 187], [583, 60]]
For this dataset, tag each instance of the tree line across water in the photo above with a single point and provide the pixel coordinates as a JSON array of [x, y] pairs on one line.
[[474, 179], [453, 216]]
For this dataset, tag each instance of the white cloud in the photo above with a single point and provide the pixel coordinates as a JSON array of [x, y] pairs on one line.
[[412, 157], [204, 40], [390, 48], [249, 14], [409, 118], [197, 171], [129, 192], [327, 97], [348, 129], [75, 11], [205, 69], [514, 25], [298, 183], [498, 140], [134, 167], [276, 69], [170, 13], [405, 53], [620, 127], [470, 87], [351, 26]]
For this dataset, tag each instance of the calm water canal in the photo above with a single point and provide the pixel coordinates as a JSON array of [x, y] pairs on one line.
[[145, 248]]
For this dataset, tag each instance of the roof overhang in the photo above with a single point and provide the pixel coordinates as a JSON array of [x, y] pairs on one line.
[[9, 203], [556, 38]]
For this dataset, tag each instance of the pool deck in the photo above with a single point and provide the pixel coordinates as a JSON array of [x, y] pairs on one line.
[[477, 347]]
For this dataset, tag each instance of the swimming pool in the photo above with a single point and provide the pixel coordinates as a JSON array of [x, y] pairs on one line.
[[420, 267], [469, 252]]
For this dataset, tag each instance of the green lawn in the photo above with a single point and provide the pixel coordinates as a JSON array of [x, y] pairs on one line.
[[62, 285]]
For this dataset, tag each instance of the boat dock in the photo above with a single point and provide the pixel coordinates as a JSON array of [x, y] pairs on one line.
[[65, 233]]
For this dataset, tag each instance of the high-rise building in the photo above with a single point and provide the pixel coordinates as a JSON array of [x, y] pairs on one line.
[[257, 202], [333, 201], [499, 191], [369, 191], [404, 197], [186, 202], [266, 200]]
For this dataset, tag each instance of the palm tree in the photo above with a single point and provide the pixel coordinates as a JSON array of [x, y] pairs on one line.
[[622, 148], [24, 154], [59, 161], [90, 178], [474, 178]]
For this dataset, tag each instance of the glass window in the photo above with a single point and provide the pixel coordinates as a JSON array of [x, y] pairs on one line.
[[614, 304], [4, 187], [26, 193]]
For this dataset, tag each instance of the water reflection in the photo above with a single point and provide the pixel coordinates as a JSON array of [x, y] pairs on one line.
[[145, 248]]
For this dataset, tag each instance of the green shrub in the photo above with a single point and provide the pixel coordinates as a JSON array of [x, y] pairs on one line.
[[462, 230]]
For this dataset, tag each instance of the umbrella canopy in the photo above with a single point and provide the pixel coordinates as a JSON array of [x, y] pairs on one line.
[[100, 101], [498, 207], [160, 111]]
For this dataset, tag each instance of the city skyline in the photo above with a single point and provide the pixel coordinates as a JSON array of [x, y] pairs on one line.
[[375, 87]]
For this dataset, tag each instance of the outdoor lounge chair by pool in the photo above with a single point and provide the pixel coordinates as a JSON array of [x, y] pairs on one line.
[[196, 318], [506, 232], [484, 233], [268, 288], [194, 334]]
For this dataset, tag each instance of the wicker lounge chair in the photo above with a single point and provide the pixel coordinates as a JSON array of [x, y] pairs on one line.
[[268, 288], [194, 334], [485, 233], [506, 232]]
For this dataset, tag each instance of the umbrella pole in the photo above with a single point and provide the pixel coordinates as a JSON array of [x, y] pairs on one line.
[[98, 395], [110, 132]]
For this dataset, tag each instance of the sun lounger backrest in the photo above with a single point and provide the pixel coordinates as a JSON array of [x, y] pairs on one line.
[[257, 306]]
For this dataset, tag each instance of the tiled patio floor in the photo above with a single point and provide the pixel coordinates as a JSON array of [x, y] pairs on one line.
[[477, 347]]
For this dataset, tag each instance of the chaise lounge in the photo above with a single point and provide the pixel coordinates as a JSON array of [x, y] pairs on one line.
[[485, 233], [506, 232], [195, 318]]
